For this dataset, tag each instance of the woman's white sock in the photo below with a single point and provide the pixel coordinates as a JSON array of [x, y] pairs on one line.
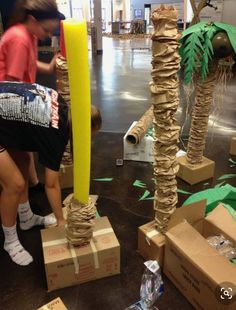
[[28, 219], [14, 248]]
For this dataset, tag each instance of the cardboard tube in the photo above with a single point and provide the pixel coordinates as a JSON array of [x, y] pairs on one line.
[[141, 127]]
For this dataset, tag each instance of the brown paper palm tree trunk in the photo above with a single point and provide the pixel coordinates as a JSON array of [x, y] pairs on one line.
[[165, 98], [200, 116]]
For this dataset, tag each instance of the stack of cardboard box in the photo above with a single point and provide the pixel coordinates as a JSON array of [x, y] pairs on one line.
[[205, 278]]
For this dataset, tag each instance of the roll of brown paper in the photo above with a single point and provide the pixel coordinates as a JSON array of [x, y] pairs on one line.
[[141, 127]]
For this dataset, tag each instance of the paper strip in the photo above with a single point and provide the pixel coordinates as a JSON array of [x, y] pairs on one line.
[[64, 240], [152, 233], [95, 254], [74, 257], [102, 232], [54, 242]]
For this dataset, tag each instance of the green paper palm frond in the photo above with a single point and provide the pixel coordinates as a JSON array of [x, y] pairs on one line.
[[196, 47], [198, 27], [191, 51], [207, 54]]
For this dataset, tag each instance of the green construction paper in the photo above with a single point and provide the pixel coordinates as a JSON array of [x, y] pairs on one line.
[[104, 180], [145, 195], [149, 198], [232, 161], [207, 55], [231, 32], [97, 215], [196, 47], [139, 183], [233, 261], [225, 194], [219, 184], [180, 191], [150, 132], [191, 49], [197, 27], [227, 176], [231, 211]]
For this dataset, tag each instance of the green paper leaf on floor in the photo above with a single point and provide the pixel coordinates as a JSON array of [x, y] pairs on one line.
[[180, 191], [145, 195], [139, 183], [232, 161], [220, 184], [227, 176], [104, 180], [149, 198]]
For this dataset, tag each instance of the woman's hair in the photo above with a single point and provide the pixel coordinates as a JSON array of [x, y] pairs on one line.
[[96, 119], [96, 124], [39, 9]]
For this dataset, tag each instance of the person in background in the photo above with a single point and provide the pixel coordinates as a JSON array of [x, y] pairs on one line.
[[32, 118], [56, 35], [31, 20]]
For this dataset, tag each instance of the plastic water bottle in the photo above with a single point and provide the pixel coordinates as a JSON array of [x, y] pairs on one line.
[[151, 288], [152, 285]]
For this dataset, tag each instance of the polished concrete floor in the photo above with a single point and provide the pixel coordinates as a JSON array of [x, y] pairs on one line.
[[119, 83]]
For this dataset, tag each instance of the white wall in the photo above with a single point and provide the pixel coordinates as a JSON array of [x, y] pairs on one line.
[[229, 12]]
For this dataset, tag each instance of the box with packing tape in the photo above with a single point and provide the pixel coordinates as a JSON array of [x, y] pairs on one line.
[[151, 243], [203, 275], [67, 266], [138, 152], [55, 304]]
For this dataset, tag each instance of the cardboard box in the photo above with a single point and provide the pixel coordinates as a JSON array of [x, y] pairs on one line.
[[139, 152], [66, 266], [66, 176], [194, 174], [55, 304], [151, 243], [232, 150], [197, 269]]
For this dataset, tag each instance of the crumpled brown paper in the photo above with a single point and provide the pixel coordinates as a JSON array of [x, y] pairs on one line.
[[165, 99], [200, 116], [64, 90], [80, 221]]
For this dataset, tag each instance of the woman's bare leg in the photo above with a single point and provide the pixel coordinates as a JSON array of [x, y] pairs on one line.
[[13, 186]]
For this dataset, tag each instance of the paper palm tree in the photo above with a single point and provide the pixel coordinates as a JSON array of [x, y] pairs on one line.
[[202, 45]]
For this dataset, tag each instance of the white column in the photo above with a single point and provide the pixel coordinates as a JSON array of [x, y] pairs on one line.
[[98, 24]]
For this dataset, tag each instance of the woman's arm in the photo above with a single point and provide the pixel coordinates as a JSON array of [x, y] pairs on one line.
[[53, 191], [47, 68]]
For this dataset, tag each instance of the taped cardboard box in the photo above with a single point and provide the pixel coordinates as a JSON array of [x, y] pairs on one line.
[[151, 243], [139, 152], [205, 278], [66, 266], [66, 176], [55, 304]]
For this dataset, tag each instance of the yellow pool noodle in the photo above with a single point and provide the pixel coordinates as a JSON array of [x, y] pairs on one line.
[[76, 44]]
